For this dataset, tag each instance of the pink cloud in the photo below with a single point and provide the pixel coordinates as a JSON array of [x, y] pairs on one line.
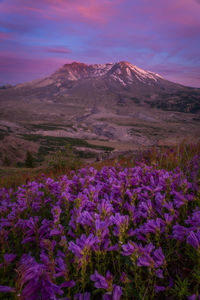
[[4, 35], [16, 69], [94, 10], [188, 76], [170, 14], [147, 33], [57, 50], [87, 10]]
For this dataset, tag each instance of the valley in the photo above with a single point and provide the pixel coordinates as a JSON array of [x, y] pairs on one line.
[[108, 108]]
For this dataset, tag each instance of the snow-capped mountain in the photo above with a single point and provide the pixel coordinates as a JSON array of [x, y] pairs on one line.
[[123, 72], [119, 82], [114, 104], [110, 84]]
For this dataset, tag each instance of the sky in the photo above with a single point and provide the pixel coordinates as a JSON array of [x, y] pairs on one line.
[[39, 36]]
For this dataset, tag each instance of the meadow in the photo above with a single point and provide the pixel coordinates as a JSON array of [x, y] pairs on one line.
[[120, 229]]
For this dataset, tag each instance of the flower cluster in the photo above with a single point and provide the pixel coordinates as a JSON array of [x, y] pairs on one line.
[[117, 233]]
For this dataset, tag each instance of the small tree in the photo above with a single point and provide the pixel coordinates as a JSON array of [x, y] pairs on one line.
[[29, 162], [6, 161], [64, 159]]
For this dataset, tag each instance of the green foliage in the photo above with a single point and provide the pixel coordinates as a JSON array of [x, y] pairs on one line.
[[170, 158], [50, 145], [136, 100], [29, 161], [64, 159], [182, 101], [83, 154], [6, 161], [3, 133], [2, 136], [20, 164], [181, 288], [56, 141], [49, 126]]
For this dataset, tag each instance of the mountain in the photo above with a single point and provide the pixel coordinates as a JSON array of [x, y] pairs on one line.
[[113, 104], [120, 81]]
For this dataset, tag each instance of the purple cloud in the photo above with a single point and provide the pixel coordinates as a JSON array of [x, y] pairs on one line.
[[57, 50], [4, 35], [17, 69], [156, 35]]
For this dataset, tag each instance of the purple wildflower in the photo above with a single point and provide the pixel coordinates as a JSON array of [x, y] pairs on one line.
[[194, 239], [56, 211], [154, 226], [101, 227], [179, 232], [75, 249], [100, 281], [194, 220], [120, 221], [35, 280], [105, 207], [145, 208], [6, 289], [124, 278], [85, 218], [83, 244], [159, 273], [8, 259], [69, 284], [179, 199], [145, 260], [112, 248], [58, 230], [85, 296], [159, 288], [117, 292], [158, 257], [31, 226], [194, 297], [107, 296], [168, 218], [129, 248]]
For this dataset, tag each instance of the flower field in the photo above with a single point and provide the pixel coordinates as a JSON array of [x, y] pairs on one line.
[[114, 233]]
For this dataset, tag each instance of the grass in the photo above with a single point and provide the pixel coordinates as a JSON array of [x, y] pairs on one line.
[[3, 133], [167, 158], [51, 142], [180, 101], [49, 126], [164, 157]]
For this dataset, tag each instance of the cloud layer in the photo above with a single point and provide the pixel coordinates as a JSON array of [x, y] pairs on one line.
[[39, 36]]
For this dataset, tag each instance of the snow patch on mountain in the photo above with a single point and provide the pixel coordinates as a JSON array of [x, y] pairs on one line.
[[119, 79], [142, 74], [101, 69], [128, 71], [124, 72]]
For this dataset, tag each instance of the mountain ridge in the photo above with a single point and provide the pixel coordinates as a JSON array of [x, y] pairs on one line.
[[115, 105], [99, 70], [120, 81]]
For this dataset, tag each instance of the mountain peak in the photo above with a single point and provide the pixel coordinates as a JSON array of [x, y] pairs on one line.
[[123, 72], [78, 63], [124, 63]]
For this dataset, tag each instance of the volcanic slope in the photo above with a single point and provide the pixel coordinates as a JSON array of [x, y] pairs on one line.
[[114, 104]]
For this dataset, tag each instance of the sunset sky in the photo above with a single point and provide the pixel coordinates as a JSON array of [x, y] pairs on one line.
[[39, 36]]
